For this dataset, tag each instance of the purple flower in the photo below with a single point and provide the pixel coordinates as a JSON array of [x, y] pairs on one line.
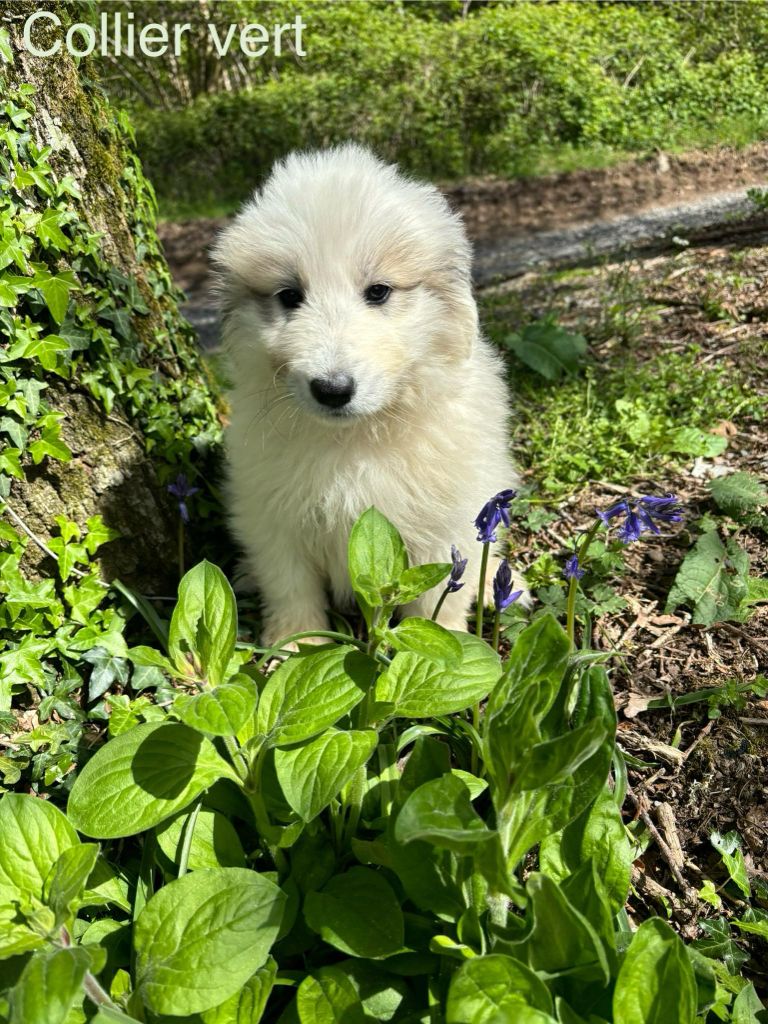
[[572, 570], [644, 515], [181, 489], [493, 513], [503, 595], [457, 570]]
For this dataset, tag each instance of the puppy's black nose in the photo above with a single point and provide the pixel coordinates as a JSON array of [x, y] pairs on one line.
[[334, 391]]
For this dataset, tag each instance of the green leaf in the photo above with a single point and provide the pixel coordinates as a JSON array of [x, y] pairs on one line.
[[55, 289], [33, 835], [201, 639], [329, 997], [497, 988], [656, 984], [597, 834], [49, 985], [246, 1006], [729, 848], [562, 941], [712, 580], [17, 937], [49, 232], [420, 687], [358, 913], [142, 777], [222, 711], [696, 442], [738, 493], [754, 921], [425, 638], [548, 349], [312, 691], [419, 579], [377, 557], [215, 843], [312, 775], [200, 938], [747, 1006], [441, 812], [65, 885], [556, 760]]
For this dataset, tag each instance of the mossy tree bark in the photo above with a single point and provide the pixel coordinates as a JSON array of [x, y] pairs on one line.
[[136, 403]]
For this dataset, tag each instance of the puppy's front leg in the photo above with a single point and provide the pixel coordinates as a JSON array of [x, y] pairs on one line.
[[291, 588]]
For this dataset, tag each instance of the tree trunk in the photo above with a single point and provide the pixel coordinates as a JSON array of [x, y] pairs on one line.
[[80, 263]]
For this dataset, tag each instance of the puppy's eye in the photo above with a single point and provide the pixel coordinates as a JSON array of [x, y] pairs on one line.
[[290, 298], [377, 294]]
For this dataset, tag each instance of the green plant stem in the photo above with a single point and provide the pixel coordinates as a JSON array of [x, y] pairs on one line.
[[271, 652], [439, 605], [481, 590], [573, 583], [186, 845], [496, 630], [181, 548]]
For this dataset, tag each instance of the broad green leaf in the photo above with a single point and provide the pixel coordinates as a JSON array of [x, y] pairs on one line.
[[67, 879], [548, 349], [55, 289], [215, 843], [597, 834], [555, 760], [441, 812], [358, 913], [49, 984], [754, 921], [562, 941], [496, 988], [738, 493], [312, 775], [712, 580], [419, 579], [420, 687], [329, 997], [697, 442], [522, 698], [247, 1005], [142, 777], [222, 711], [729, 848], [17, 937], [201, 638], [747, 1006], [427, 639], [656, 984], [33, 835], [106, 886], [49, 232], [377, 557], [200, 938], [312, 691]]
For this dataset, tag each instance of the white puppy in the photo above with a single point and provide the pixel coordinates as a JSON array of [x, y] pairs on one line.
[[359, 378]]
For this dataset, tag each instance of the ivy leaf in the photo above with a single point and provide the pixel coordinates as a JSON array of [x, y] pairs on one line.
[[548, 349], [729, 848], [712, 580], [12, 249], [107, 669], [49, 232], [55, 289], [49, 447]]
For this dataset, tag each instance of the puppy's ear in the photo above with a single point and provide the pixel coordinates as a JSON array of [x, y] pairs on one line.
[[459, 328]]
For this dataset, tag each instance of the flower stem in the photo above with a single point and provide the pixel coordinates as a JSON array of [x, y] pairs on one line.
[[573, 583], [496, 630], [439, 604], [481, 591], [181, 548]]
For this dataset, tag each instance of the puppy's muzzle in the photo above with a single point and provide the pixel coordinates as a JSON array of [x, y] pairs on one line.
[[334, 391]]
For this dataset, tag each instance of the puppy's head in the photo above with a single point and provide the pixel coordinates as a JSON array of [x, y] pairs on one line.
[[350, 279]]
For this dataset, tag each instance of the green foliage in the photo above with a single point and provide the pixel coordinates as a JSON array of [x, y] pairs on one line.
[[738, 494], [509, 89], [73, 320], [714, 582], [276, 861], [548, 349]]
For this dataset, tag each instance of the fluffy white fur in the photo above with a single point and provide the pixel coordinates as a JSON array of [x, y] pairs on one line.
[[425, 436]]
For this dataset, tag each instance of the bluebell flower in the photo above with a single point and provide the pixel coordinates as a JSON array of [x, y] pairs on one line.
[[492, 514], [572, 570], [457, 570], [181, 490], [503, 595], [642, 515]]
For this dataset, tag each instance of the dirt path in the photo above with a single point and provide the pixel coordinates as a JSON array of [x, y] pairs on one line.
[[562, 220]]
